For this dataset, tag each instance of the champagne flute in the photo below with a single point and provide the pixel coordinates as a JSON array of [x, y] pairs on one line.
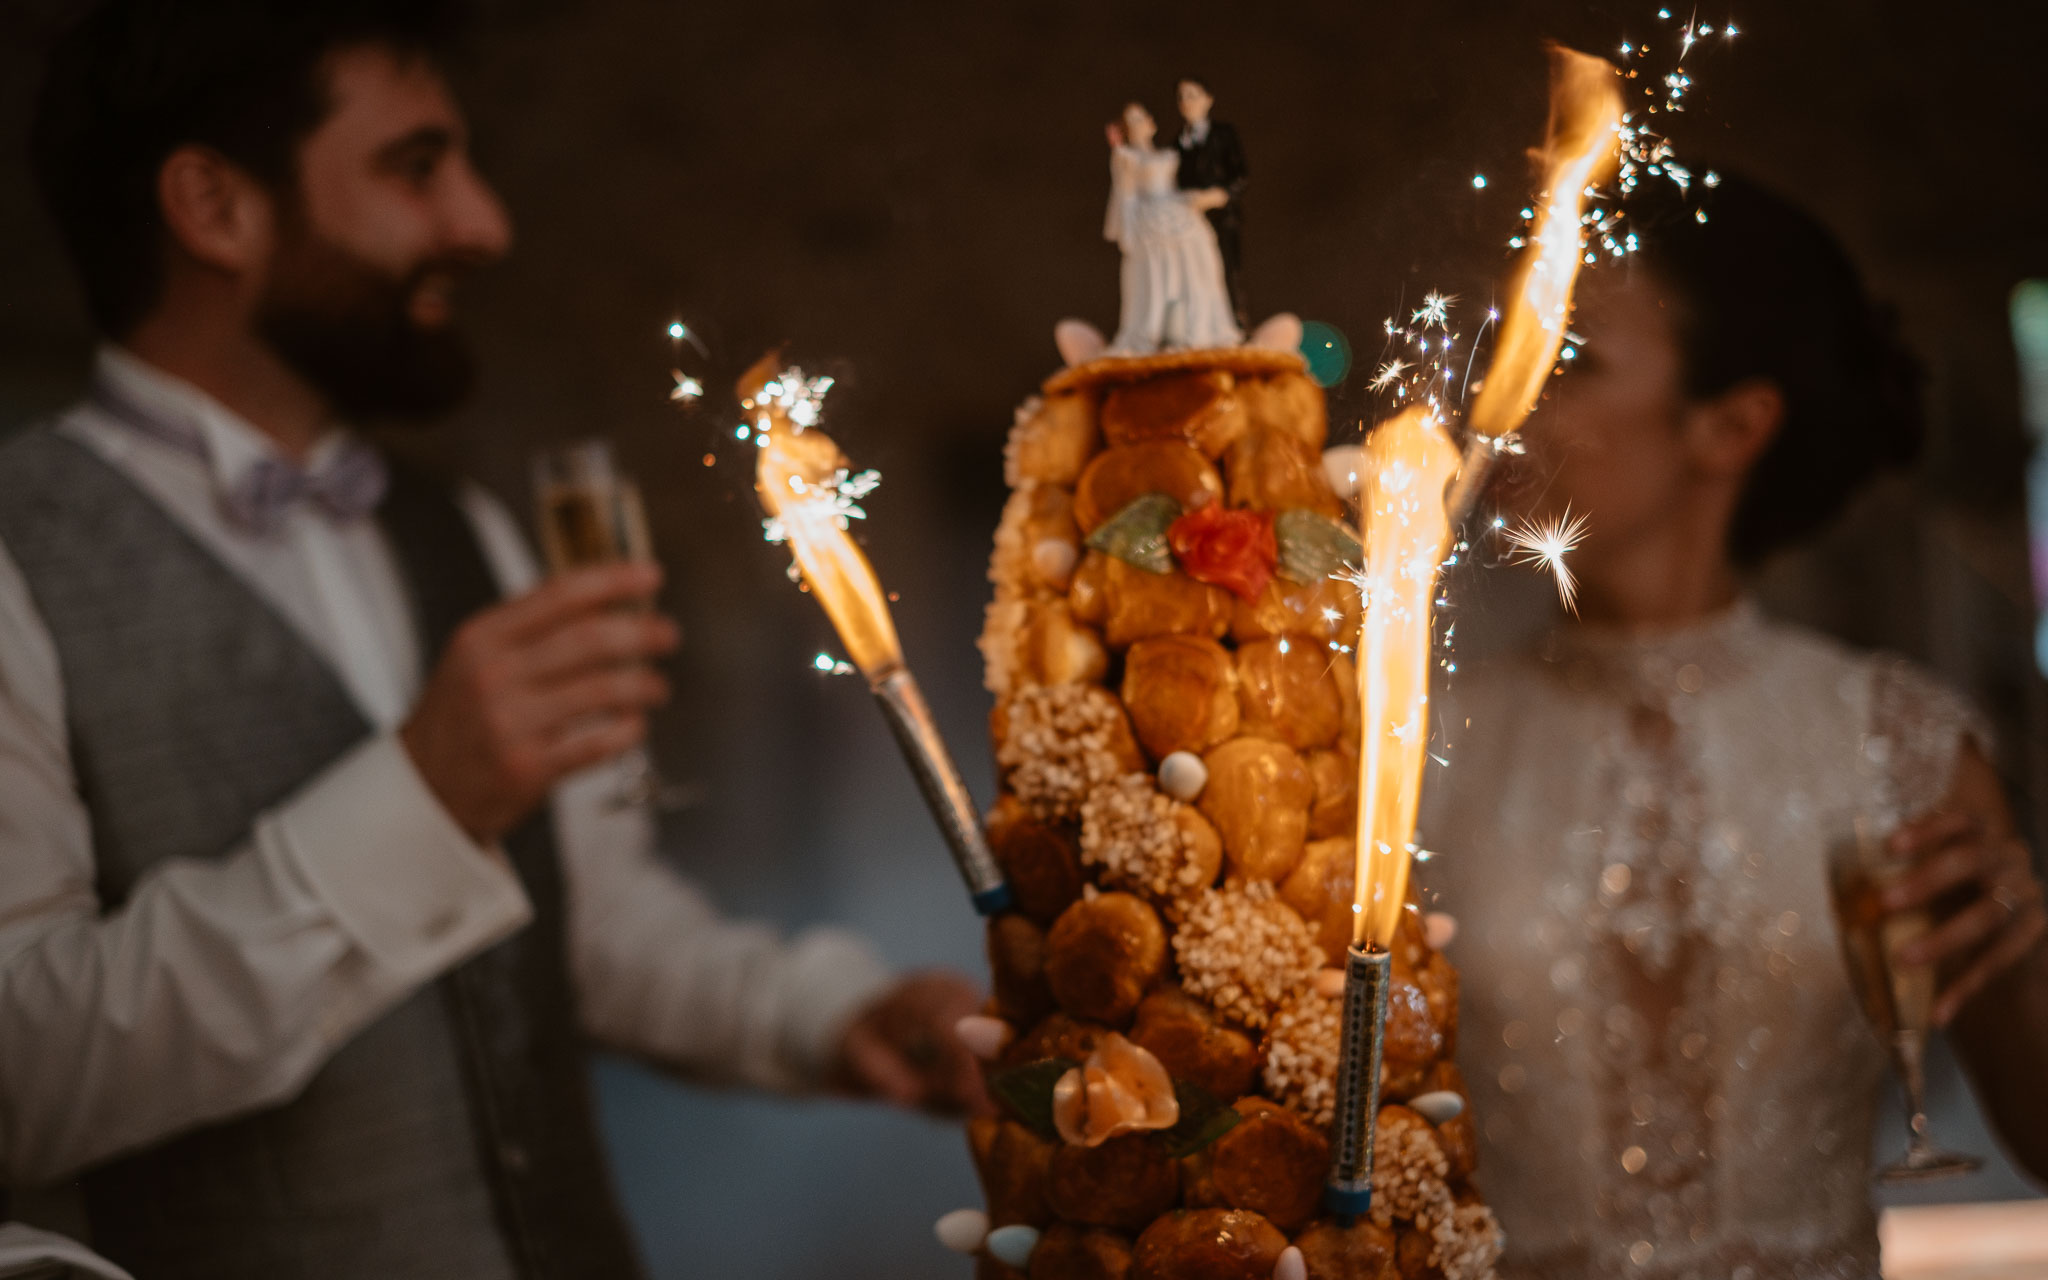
[[1898, 998], [589, 514]]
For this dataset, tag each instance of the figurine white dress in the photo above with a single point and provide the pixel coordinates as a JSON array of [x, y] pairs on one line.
[[1671, 1072], [1173, 288]]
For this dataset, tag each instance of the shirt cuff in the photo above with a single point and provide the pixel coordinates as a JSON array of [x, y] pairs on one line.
[[832, 976], [403, 880]]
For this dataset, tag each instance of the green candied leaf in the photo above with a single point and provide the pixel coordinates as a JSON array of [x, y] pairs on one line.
[[1137, 534], [1027, 1092], [1202, 1120], [1314, 547]]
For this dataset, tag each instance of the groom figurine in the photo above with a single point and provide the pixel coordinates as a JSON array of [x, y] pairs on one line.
[[1212, 165]]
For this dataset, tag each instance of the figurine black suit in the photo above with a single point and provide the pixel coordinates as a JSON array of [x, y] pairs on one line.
[[1212, 159]]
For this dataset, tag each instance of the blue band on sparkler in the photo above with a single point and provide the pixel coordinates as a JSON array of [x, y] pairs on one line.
[[1345, 1203], [993, 902]]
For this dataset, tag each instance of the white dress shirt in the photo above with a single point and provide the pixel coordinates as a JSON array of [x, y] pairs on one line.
[[222, 985]]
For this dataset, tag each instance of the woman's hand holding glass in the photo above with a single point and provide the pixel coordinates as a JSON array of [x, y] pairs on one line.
[[1981, 890]]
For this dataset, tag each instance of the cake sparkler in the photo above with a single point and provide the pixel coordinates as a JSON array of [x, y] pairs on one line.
[[1415, 490], [811, 493]]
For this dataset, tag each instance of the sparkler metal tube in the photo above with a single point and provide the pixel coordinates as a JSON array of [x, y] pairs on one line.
[[938, 778], [1477, 464], [1368, 973]]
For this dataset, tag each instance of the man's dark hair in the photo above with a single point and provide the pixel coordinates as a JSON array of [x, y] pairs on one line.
[[135, 80]]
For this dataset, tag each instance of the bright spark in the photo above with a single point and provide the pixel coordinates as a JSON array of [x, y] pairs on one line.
[[1389, 374], [801, 399], [1546, 546], [687, 389], [1436, 310]]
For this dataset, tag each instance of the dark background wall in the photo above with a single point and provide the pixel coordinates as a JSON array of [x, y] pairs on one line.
[[911, 194]]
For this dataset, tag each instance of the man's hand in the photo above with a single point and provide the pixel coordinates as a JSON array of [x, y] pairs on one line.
[[902, 1048], [1208, 198], [1984, 897], [537, 688]]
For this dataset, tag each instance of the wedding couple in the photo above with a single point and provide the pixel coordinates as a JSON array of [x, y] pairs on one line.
[[1174, 213]]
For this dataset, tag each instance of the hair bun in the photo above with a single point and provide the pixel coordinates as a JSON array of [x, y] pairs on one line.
[[1767, 292]]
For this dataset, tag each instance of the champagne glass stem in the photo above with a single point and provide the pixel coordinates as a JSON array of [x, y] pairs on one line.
[[1909, 1052]]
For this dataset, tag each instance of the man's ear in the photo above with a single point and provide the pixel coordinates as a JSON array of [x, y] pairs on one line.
[[1727, 434], [215, 211]]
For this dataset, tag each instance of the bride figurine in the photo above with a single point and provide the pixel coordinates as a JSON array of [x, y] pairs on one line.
[[1173, 288]]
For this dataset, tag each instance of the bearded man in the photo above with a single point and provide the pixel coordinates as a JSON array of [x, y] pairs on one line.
[[310, 891]]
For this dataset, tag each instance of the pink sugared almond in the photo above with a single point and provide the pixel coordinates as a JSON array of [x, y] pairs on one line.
[[982, 1036]]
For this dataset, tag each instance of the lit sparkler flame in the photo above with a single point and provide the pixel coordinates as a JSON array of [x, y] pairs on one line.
[[806, 486], [1581, 148], [1546, 546], [1408, 461]]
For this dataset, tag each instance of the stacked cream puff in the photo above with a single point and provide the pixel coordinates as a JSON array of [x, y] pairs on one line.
[[1176, 727]]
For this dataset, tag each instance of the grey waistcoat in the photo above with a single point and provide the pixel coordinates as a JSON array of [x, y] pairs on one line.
[[451, 1138]]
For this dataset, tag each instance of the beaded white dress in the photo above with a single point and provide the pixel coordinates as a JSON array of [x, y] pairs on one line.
[[1672, 1075], [1173, 289]]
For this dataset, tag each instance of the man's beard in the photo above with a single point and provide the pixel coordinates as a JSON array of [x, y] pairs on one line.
[[345, 327]]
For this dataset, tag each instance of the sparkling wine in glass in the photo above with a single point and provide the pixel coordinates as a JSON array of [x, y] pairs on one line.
[[590, 513], [1898, 998]]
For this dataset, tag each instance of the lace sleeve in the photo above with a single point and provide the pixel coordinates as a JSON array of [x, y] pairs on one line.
[[1917, 728]]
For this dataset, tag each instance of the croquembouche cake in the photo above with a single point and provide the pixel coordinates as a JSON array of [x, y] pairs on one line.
[[1176, 731]]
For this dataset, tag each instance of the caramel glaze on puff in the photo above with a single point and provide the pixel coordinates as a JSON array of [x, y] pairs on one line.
[[1181, 692]]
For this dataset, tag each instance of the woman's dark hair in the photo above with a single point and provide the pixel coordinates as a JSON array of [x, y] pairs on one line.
[[134, 80], [1765, 291]]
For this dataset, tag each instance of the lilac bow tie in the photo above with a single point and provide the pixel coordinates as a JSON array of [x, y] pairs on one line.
[[348, 487]]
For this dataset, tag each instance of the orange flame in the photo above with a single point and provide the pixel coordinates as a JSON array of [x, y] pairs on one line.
[[1581, 148], [1408, 461], [790, 475]]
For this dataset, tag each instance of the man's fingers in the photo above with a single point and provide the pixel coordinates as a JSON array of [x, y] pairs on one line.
[[877, 1067], [593, 741], [597, 695], [966, 1087], [2024, 936], [601, 639], [574, 592]]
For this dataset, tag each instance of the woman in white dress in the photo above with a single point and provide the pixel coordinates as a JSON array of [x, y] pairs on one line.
[[1173, 290], [1671, 1072]]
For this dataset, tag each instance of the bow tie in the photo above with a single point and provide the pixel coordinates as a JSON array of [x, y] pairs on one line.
[[347, 487]]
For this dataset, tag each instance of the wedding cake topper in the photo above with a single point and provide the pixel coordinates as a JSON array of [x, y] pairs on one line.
[[1174, 213], [1212, 170]]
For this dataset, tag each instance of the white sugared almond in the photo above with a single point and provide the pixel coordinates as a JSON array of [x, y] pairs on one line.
[[1438, 929], [1182, 775], [1292, 1266], [1342, 465], [962, 1230], [1053, 559], [1440, 1107], [982, 1036], [1013, 1245]]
